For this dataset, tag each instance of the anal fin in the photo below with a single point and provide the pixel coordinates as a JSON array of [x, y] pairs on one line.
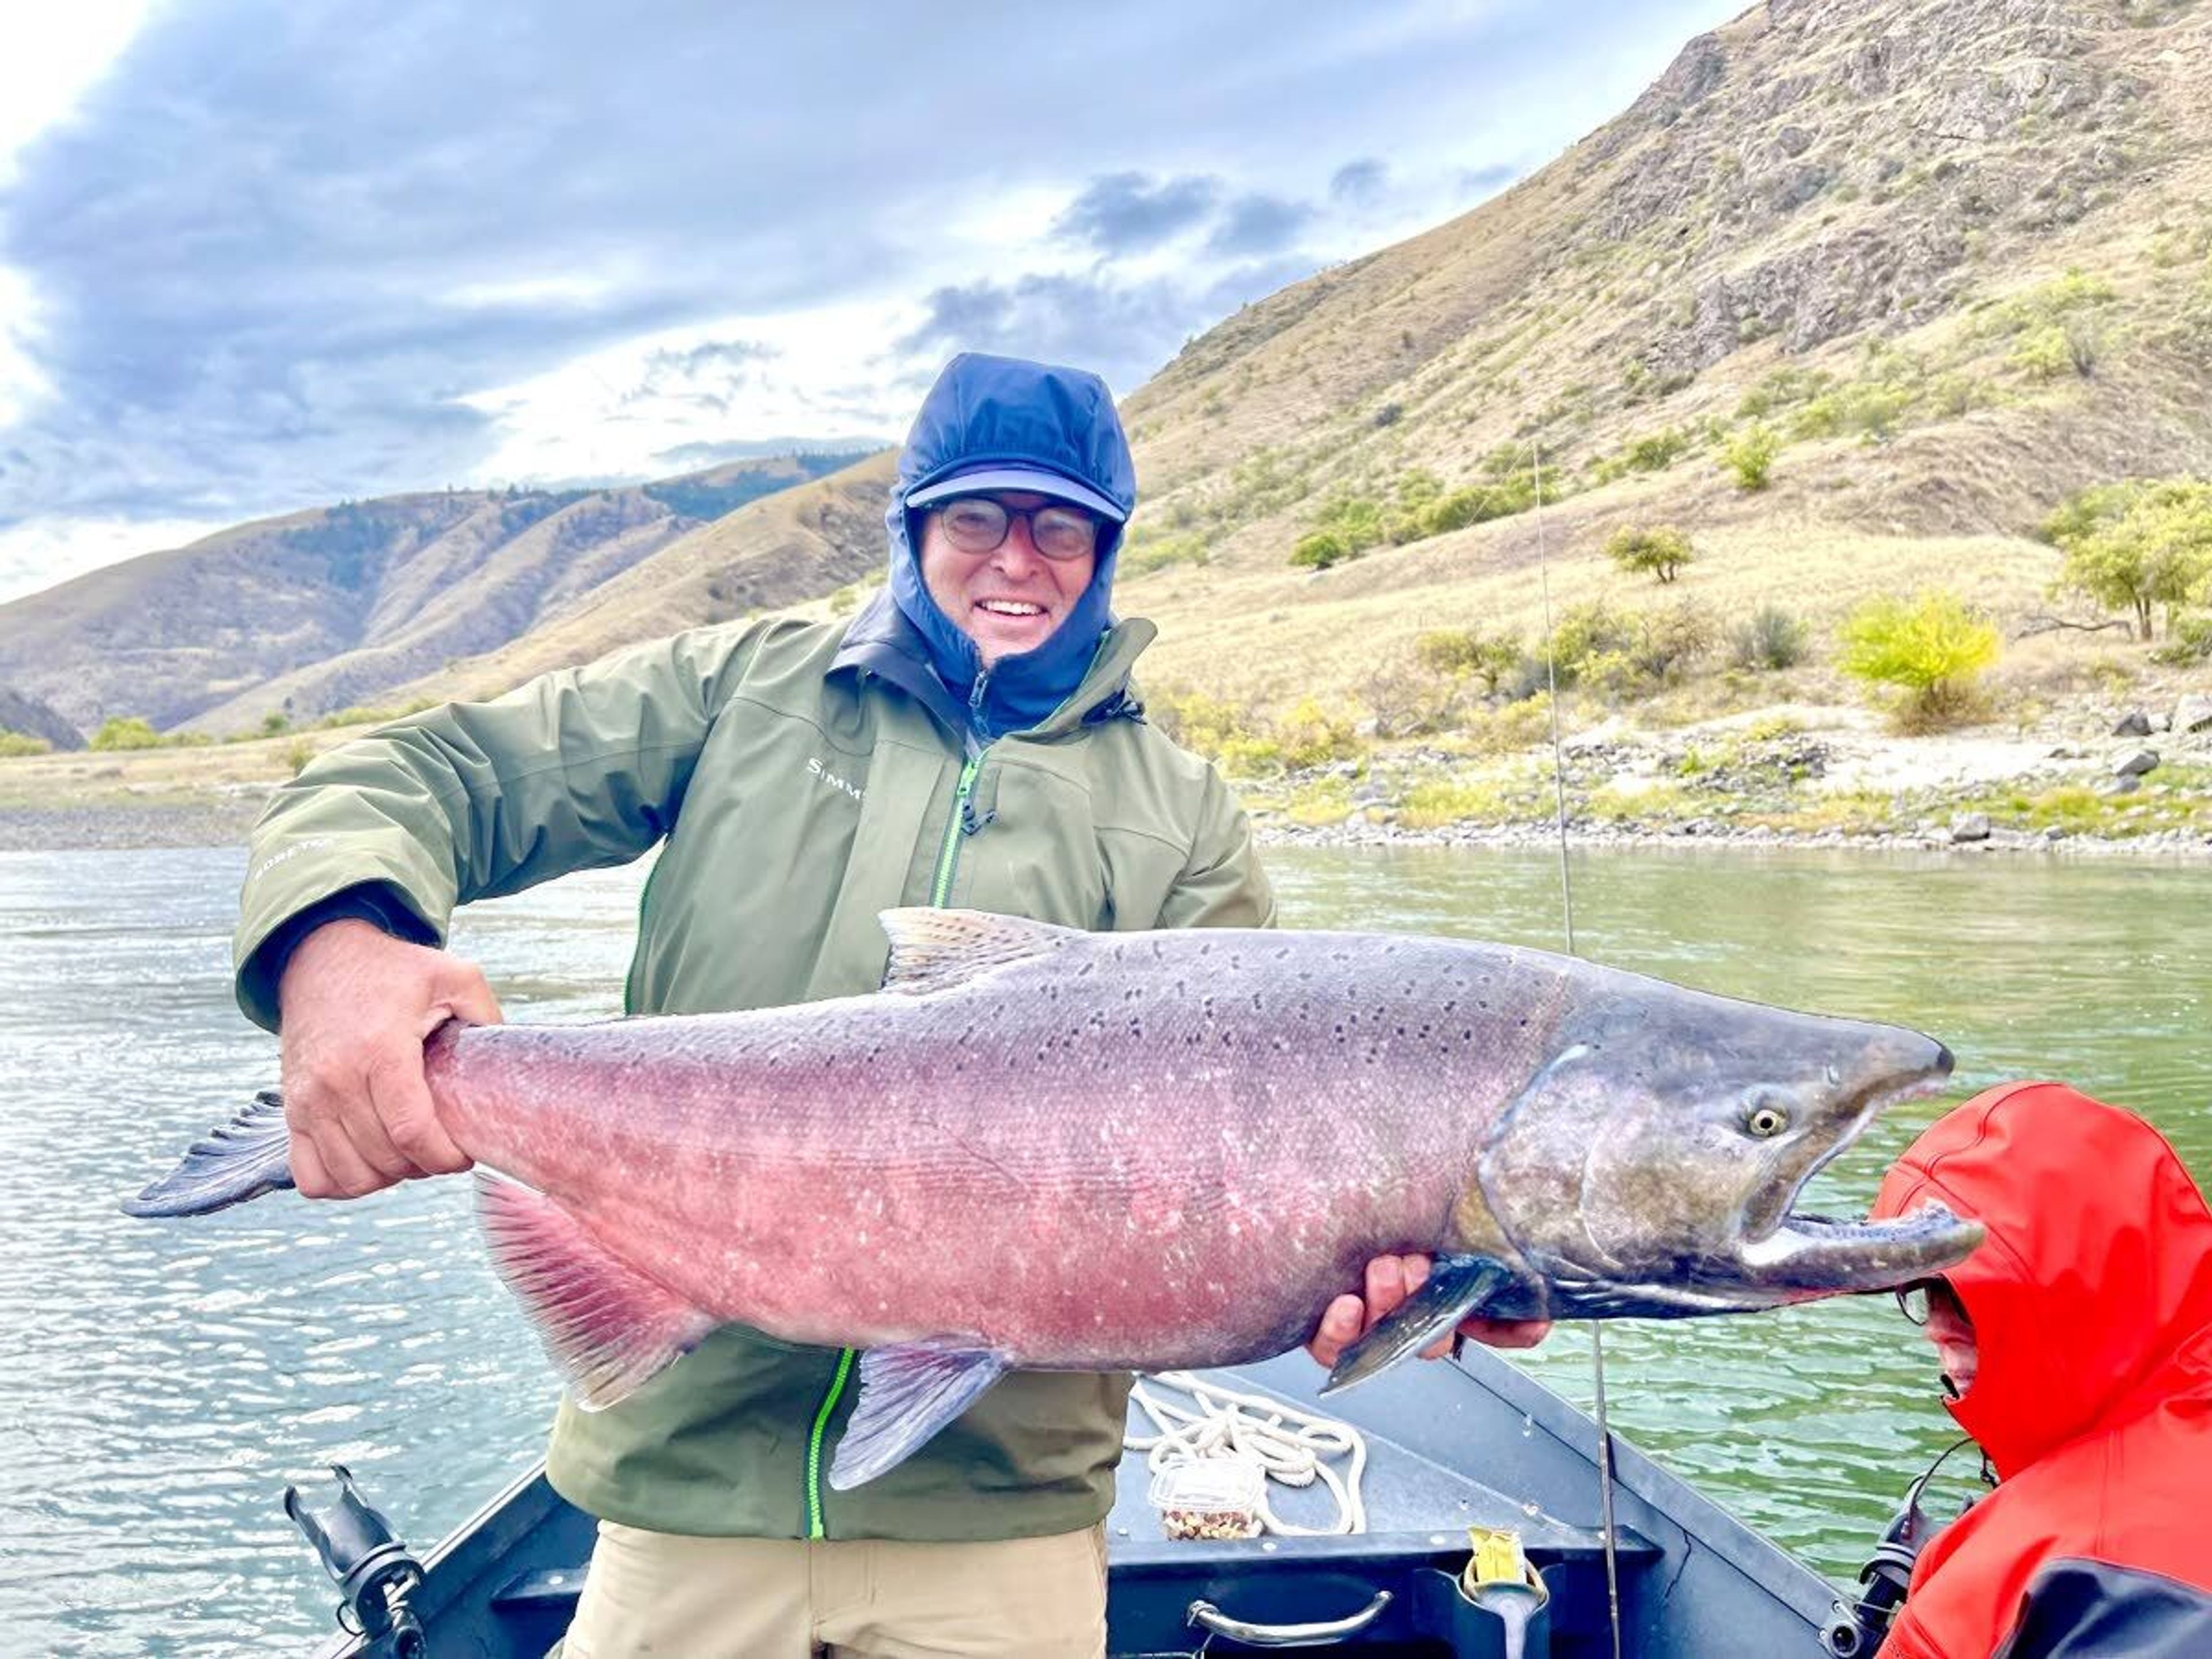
[[1457, 1286], [908, 1392], [608, 1327]]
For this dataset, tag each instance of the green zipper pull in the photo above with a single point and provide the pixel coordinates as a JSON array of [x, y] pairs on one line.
[[940, 892]]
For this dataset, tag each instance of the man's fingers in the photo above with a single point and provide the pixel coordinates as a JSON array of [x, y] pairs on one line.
[[1341, 1326], [308, 1172], [1386, 1288], [345, 1172], [409, 1118], [466, 994]]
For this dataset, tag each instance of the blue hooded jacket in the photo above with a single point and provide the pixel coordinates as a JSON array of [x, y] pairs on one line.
[[998, 418]]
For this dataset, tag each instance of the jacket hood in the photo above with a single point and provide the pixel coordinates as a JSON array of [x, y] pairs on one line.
[[990, 413], [2096, 1272]]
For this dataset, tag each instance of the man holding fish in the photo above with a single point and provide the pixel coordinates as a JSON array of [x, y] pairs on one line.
[[970, 739]]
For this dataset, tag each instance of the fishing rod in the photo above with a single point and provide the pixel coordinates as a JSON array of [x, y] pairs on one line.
[[1567, 920]]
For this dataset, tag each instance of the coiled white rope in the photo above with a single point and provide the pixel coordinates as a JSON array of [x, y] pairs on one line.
[[1292, 1446]]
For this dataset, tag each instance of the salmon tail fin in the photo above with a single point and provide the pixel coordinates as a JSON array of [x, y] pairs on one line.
[[607, 1327], [246, 1158], [908, 1392]]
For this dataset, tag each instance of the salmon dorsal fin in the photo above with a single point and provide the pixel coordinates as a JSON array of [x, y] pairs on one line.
[[936, 950]]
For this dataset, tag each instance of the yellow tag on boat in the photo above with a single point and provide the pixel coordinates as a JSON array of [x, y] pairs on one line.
[[1497, 1559]]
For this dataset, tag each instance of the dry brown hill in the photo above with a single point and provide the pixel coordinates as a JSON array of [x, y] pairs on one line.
[[1952, 253], [305, 614]]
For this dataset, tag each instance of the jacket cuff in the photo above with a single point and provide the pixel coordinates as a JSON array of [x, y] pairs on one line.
[[375, 901]]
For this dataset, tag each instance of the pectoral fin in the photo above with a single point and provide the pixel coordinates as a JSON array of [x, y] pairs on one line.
[[1457, 1286], [907, 1395], [608, 1326]]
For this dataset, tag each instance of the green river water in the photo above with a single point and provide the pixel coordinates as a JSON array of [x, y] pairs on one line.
[[159, 1385]]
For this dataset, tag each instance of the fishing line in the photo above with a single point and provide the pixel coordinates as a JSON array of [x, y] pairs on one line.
[[1567, 915]]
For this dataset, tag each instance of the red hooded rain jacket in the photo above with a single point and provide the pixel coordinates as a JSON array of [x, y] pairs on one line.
[[2092, 1304]]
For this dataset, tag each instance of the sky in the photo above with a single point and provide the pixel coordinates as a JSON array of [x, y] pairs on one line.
[[258, 255]]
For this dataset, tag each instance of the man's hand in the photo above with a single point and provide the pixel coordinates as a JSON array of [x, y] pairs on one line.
[[356, 1004], [1390, 1281]]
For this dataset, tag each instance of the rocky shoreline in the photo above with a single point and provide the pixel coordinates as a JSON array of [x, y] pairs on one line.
[[1699, 835], [137, 827]]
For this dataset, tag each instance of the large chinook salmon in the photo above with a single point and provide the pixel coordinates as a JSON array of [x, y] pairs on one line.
[[1039, 1147]]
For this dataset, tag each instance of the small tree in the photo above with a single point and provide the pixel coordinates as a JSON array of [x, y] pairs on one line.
[[1468, 653], [1750, 454], [125, 732], [2130, 547], [1932, 650], [1662, 551]]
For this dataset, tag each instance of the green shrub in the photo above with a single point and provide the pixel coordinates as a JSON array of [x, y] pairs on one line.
[[1874, 410], [1785, 388], [22, 743], [1667, 641], [1655, 452], [1467, 653], [1931, 650], [1661, 550], [1750, 455], [1319, 549], [2135, 546], [275, 724], [1772, 639], [1145, 555], [2042, 354], [298, 755], [1435, 801], [2189, 640], [124, 732], [1310, 736]]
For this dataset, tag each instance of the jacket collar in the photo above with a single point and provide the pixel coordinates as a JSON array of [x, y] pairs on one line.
[[882, 641]]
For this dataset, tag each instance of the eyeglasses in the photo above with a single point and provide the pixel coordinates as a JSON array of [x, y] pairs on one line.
[[979, 524], [1912, 1300]]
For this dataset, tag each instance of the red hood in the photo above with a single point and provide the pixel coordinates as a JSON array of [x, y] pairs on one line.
[[2096, 1270]]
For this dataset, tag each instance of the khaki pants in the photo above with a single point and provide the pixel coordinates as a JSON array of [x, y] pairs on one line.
[[670, 1597]]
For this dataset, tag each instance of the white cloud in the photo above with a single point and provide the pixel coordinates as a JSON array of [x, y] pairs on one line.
[[824, 374], [44, 552], [54, 55]]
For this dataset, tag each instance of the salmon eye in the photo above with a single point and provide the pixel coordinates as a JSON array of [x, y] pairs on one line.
[[1766, 1121]]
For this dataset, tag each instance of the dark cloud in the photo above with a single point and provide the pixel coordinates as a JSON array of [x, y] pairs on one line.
[[1360, 183], [280, 240], [1484, 181], [1258, 224], [725, 358], [1127, 213], [1123, 332]]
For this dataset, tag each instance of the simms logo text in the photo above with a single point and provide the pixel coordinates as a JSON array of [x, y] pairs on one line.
[[815, 769]]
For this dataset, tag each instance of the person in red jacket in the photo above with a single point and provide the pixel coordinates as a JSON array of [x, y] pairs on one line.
[[2076, 1348]]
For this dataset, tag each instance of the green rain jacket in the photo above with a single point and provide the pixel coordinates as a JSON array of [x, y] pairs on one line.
[[803, 777]]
